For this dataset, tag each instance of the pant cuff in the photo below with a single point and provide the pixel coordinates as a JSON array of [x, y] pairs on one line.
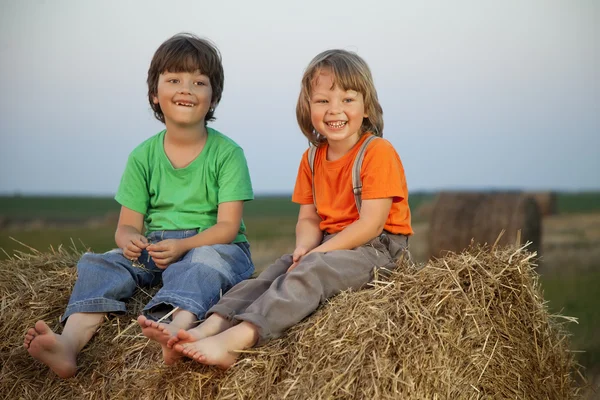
[[223, 311], [171, 300], [97, 305], [264, 332]]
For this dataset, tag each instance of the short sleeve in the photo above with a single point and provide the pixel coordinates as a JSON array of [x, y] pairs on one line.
[[382, 172], [133, 188], [234, 177], [303, 188]]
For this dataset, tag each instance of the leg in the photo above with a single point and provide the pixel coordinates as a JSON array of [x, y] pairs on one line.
[[103, 280], [223, 349], [211, 326], [194, 284], [59, 352], [290, 297], [319, 276], [236, 300], [162, 332]]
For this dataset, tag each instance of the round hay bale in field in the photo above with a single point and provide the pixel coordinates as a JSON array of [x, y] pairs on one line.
[[459, 218], [468, 326], [425, 210], [546, 201]]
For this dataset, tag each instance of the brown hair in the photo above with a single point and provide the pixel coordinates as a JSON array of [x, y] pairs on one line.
[[350, 72], [186, 52]]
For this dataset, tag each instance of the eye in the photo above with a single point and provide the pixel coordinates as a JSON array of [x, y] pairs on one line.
[[173, 80], [348, 100], [200, 83], [321, 101]]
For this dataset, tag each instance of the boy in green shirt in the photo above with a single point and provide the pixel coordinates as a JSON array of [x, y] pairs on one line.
[[186, 185]]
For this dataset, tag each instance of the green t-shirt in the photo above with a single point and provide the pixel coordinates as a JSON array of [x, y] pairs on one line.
[[185, 198]]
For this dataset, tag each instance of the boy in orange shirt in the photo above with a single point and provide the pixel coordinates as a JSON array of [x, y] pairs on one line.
[[339, 241]]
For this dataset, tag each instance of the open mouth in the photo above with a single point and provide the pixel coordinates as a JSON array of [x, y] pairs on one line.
[[337, 124], [184, 104]]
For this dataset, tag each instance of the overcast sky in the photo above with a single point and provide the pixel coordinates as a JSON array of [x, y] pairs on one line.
[[476, 94]]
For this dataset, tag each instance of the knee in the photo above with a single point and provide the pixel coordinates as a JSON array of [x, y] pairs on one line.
[[87, 261], [224, 259], [304, 280], [93, 261]]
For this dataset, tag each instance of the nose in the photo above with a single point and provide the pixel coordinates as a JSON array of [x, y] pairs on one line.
[[185, 87], [335, 107]]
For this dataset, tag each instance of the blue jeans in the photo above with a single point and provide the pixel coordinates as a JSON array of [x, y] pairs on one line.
[[194, 283]]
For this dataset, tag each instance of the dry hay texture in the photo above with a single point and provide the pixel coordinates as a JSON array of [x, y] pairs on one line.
[[469, 326], [459, 218]]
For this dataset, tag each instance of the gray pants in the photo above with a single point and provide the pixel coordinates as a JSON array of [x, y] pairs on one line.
[[276, 300]]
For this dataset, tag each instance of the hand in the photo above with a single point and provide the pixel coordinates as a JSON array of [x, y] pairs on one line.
[[166, 252], [135, 244], [297, 255]]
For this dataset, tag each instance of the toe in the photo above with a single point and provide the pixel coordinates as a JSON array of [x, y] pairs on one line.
[[41, 327]]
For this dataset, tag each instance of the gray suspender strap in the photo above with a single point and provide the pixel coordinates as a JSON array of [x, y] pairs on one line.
[[356, 168], [312, 152], [356, 181]]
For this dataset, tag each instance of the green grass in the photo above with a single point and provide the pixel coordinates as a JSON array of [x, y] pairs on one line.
[[578, 202], [575, 295], [98, 239], [59, 208], [72, 208], [101, 238], [266, 218], [56, 207]]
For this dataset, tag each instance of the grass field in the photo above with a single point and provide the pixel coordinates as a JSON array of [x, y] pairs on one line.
[[570, 267], [44, 222], [73, 208]]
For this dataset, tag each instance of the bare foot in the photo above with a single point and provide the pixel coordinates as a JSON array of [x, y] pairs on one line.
[[223, 349], [214, 325], [160, 333], [51, 349]]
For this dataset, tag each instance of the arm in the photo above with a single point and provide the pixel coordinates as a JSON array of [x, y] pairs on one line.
[[369, 225], [128, 235], [308, 233], [229, 218]]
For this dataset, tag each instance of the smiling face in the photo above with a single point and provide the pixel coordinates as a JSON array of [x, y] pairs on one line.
[[335, 113], [184, 97]]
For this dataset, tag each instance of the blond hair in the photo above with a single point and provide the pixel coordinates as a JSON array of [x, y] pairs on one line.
[[350, 72]]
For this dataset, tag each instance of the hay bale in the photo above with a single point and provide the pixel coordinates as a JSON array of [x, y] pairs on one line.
[[459, 218], [425, 210], [467, 326], [546, 201]]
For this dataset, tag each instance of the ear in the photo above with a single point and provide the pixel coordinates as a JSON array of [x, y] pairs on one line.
[[154, 99]]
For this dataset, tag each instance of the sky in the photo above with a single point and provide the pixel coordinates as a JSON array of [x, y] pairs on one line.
[[476, 94]]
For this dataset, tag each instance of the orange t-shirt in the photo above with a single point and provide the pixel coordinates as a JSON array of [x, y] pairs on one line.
[[382, 176]]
